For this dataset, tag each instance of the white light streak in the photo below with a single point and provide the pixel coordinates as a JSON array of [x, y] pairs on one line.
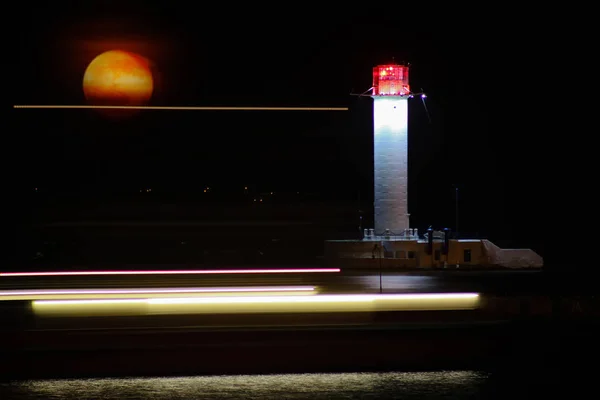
[[56, 294], [175, 272]]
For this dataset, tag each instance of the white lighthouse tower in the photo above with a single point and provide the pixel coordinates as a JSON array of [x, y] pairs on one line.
[[390, 119]]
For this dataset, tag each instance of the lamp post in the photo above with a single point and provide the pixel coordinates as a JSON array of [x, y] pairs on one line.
[[377, 248], [456, 210], [380, 274]]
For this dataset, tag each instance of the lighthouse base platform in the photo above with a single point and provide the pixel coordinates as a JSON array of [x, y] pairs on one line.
[[389, 252]]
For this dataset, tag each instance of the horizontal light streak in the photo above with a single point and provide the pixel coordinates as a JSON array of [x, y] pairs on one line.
[[180, 108], [180, 272], [57, 294], [259, 304], [315, 299], [38, 303]]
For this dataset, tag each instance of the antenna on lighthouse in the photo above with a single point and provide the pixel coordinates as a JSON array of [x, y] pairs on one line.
[[365, 92], [423, 96]]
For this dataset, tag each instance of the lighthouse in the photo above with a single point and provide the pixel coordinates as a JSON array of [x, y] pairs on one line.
[[391, 243], [390, 95]]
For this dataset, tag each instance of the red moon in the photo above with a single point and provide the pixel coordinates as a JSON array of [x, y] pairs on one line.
[[118, 78]]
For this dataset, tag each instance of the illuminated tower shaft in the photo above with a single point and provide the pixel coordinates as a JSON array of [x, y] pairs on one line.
[[390, 120]]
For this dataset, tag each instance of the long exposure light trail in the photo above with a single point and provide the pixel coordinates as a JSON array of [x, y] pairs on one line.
[[175, 272], [325, 298], [259, 304], [137, 293], [179, 108]]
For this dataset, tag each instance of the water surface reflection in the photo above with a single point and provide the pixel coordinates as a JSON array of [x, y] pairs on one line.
[[417, 385]]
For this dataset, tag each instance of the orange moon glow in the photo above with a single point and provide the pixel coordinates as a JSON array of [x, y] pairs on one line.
[[118, 78]]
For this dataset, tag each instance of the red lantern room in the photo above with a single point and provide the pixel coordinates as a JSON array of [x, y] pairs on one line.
[[390, 80]]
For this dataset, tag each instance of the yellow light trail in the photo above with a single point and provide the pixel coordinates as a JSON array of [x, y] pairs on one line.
[[180, 108], [259, 304]]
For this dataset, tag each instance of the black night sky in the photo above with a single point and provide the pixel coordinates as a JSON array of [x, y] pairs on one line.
[[479, 137]]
